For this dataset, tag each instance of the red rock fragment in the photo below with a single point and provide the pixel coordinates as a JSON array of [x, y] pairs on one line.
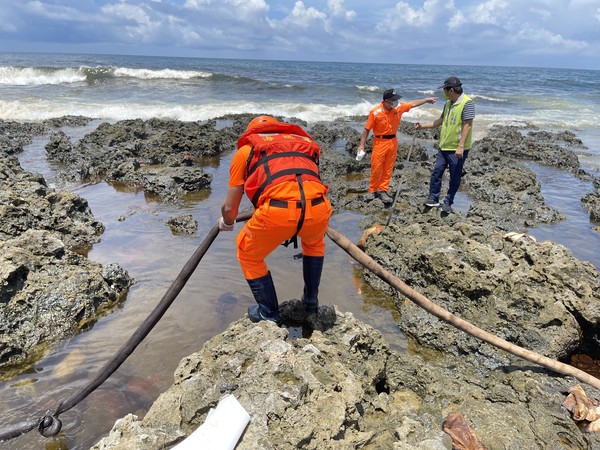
[[463, 437]]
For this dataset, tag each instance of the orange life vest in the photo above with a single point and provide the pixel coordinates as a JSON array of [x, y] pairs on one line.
[[279, 152]]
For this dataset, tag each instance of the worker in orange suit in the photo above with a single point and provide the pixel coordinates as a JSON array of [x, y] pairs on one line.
[[384, 120], [277, 166]]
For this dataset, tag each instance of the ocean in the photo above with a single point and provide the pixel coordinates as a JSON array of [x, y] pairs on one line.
[[37, 86]]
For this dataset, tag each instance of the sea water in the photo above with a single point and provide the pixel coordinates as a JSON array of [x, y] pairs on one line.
[[35, 86]]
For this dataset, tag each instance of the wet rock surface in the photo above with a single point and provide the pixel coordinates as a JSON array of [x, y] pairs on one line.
[[48, 292], [334, 382], [26, 203], [162, 157], [536, 295], [341, 387], [183, 224]]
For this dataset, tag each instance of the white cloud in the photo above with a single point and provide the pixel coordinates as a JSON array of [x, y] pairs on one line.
[[490, 12], [457, 21], [492, 31], [226, 13], [133, 13], [196, 4], [53, 12], [403, 15], [542, 41], [338, 10], [304, 17], [240, 7], [544, 14]]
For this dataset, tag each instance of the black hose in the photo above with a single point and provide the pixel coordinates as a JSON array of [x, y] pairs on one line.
[[12, 431], [49, 424]]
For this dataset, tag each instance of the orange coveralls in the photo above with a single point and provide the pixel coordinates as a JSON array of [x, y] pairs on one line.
[[270, 226], [383, 157]]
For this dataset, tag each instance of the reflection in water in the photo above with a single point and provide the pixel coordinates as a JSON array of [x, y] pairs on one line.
[[380, 307], [224, 307]]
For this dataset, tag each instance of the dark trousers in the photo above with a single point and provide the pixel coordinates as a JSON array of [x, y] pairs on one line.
[[446, 160]]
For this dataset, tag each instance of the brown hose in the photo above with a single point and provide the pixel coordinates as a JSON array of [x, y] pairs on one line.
[[455, 321]]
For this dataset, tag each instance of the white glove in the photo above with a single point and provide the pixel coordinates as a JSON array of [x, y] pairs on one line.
[[224, 226]]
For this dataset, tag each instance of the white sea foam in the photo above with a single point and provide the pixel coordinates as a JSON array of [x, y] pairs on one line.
[[33, 76], [368, 88], [487, 98], [38, 109], [543, 119], [18, 76], [148, 74]]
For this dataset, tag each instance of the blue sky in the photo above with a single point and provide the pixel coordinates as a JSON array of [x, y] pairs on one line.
[[540, 33]]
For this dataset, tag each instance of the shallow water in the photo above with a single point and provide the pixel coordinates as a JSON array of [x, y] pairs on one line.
[[138, 238], [564, 192]]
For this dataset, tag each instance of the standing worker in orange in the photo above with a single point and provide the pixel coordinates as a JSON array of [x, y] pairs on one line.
[[277, 166], [384, 120]]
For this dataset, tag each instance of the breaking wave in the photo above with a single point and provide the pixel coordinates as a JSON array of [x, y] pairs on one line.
[[35, 76]]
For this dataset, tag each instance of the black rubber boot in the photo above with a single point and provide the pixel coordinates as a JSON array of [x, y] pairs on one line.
[[312, 266], [267, 307]]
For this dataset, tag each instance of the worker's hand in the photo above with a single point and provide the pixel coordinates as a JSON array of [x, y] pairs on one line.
[[224, 226], [418, 126], [431, 100]]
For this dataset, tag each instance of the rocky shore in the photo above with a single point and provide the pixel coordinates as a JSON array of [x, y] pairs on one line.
[[48, 291], [338, 385]]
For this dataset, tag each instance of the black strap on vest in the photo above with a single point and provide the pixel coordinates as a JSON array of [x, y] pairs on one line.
[[294, 238], [250, 156]]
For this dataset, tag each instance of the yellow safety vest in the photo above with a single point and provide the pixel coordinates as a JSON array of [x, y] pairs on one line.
[[452, 125]]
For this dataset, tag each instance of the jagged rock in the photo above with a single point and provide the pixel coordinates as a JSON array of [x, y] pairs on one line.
[[27, 203], [323, 391], [14, 135], [534, 294], [47, 293], [340, 387], [160, 156], [183, 224]]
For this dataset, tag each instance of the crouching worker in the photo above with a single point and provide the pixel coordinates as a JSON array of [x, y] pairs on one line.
[[277, 166]]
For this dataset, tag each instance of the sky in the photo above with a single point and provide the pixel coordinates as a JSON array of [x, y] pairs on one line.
[[532, 33]]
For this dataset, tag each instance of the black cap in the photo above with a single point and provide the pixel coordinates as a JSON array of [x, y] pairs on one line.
[[450, 82], [390, 94]]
